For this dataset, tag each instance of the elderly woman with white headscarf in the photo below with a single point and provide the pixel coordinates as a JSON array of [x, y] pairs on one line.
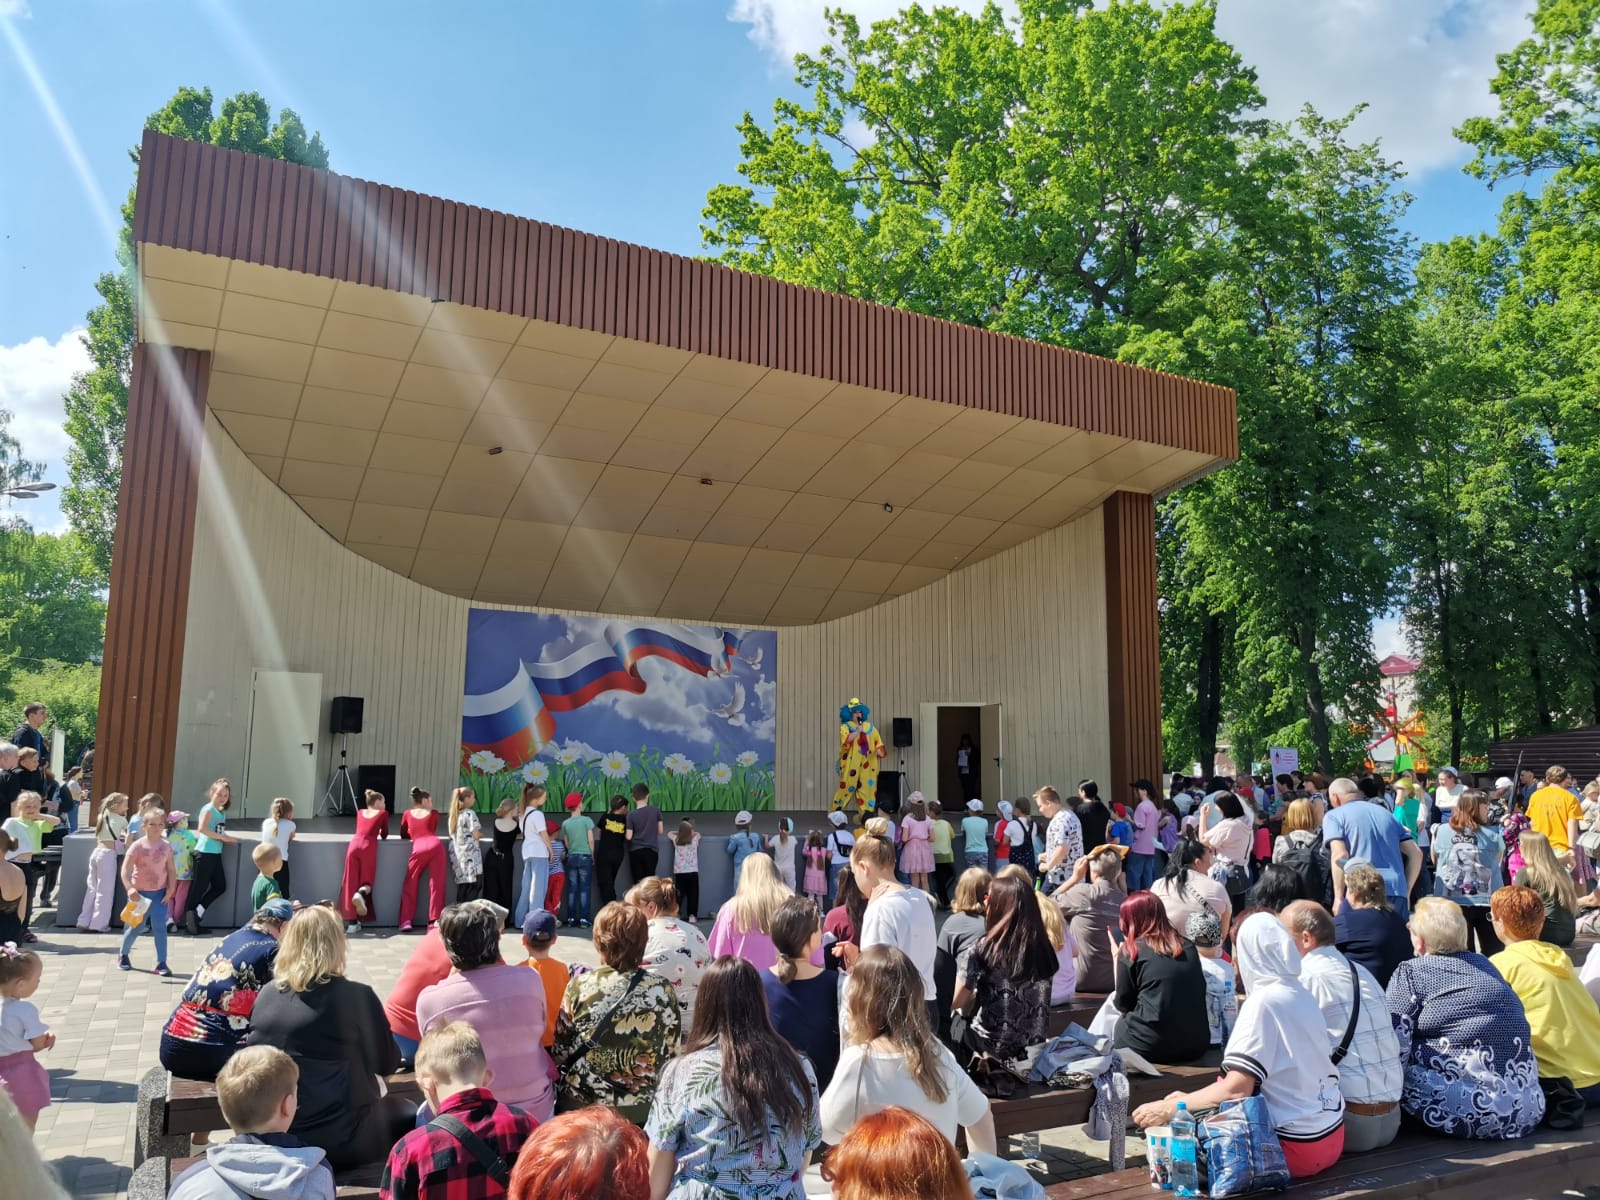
[[1279, 1048]]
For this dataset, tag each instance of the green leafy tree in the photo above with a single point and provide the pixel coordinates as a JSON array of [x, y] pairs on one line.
[[55, 610], [72, 690], [97, 403]]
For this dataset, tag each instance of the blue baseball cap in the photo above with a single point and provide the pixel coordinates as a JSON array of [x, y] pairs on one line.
[[276, 909], [539, 926]]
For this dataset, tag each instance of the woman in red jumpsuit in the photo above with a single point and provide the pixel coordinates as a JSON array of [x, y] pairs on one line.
[[361, 861], [421, 825]]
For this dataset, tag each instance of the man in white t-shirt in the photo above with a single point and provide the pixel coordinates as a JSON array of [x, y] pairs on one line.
[[896, 915]]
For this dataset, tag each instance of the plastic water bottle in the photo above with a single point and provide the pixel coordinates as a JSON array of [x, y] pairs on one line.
[[1185, 1153]]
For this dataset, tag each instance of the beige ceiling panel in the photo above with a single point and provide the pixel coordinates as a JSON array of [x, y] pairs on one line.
[[588, 445], [1182, 466], [852, 472], [396, 558], [176, 333], [527, 541], [1126, 461], [694, 599], [521, 589], [866, 576], [799, 605], [894, 433], [186, 303], [329, 406], [634, 592], [782, 535], [554, 489], [448, 389], [675, 425], [427, 421], [656, 555], [807, 389], [355, 372], [968, 531], [527, 401], [975, 476], [245, 354], [453, 352], [498, 429], [748, 600], [749, 500], [250, 394], [842, 603], [664, 521], [650, 455], [448, 571], [561, 371], [185, 266], [274, 283], [795, 458], [270, 318], [1076, 452], [1008, 536], [730, 450], [332, 515], [368, 335], [958, 437], [700, 395], [769, 566], [768, 408], [1062, 502], [257, 435], [474, 464], [996, 507], [380, 303], [946, 499], [977, 554], [686, 491], [941, 555], [1012, 450], [331, 444], [459, 533], [404, 488], [625, 383], [913, 577], [605, 413], [267, 465], [856, 529], [709, 368], [565, 339], [888, 548], [646, 356], [620, 499], [1026, 482], [919, 523], [900, 487], [323, 480], [397, 452], [823, 570], [806, 509], [712, 562], [386, 525], [590, 556], [733, 530], [449, 317], [857, 404]]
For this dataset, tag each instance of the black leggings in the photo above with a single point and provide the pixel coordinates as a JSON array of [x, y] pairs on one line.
[[688, 886], [606, 865], [209, 882], [1480, 930]]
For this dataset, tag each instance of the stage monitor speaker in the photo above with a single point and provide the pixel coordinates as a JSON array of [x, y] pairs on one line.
[[902, 731], [889, 789], [344, 715], [377, 778]]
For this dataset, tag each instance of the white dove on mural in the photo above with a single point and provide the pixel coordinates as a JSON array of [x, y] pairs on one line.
[[733, 710], [754, 660]]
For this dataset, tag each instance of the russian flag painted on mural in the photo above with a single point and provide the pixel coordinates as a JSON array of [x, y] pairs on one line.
[[519, 717]]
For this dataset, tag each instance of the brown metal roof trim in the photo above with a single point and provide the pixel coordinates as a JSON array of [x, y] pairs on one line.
[[1133, 641], [197, 197]]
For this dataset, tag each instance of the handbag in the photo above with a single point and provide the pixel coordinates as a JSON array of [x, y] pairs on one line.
[[994, 1076], [1239, 1151], [602, 1025], [1589, 842], [1563, 1107]]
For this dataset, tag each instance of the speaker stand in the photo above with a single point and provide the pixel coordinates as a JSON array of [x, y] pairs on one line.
[[339, 788]]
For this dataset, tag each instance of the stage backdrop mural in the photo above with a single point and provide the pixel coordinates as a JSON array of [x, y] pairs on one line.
[[594, 705]]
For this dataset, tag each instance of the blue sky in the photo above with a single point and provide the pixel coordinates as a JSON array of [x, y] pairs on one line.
[[612, 117]]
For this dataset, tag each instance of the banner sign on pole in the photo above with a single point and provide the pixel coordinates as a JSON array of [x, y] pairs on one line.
[[1284, 761]]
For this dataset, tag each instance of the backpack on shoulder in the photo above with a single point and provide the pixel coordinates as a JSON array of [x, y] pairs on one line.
[[1311, 864]]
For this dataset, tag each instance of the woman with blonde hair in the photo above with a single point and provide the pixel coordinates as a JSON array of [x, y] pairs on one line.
[[743, 927], [1542, 871], [466, 856], [891, 1057], [335, 1029]]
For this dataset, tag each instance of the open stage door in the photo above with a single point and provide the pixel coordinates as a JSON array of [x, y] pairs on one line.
[[939, 731], [285, 723], [991, 747]]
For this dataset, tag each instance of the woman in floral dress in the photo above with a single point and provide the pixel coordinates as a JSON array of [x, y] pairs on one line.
[[736, 1115], [675, 950]]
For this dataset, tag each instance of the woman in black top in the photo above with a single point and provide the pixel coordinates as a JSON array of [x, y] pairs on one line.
[[964, 926], [1161, 987], [335, 1030], [803, 998], [1005, 984], [611, 848], [1093, 815]]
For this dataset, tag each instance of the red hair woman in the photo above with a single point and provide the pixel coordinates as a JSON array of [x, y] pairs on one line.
[[589, 1154], [1161, 987], [896, 1155]]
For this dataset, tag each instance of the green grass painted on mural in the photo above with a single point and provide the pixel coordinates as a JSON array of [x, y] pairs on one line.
[[676, 785]]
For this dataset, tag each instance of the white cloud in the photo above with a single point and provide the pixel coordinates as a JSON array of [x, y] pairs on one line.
[[33, 377], [1422, 66], [1389, 637]]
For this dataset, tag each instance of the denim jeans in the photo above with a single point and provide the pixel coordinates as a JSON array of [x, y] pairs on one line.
[[535, 879], [1141, 872], [406, 1046], [156, 918], [578, 866]]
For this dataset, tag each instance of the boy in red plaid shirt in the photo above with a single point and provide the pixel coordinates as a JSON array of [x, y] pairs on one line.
[[466, 1151]]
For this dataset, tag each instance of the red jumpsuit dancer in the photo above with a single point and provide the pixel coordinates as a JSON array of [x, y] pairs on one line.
[[421, 825], [361, 859]]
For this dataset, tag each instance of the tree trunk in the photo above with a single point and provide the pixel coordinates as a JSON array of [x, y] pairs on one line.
[[1316, 706], [1455, 721], [1208, 690], [1541, 701], [1591, 595]]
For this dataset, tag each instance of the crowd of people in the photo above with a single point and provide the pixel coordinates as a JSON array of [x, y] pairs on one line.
[[1396, 964]]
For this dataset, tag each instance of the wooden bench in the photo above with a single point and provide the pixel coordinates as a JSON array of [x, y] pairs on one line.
[[1081, 1009], [1415, 1165], [1036, 1108]]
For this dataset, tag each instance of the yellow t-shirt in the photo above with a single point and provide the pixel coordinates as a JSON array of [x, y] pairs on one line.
[[1549, 810]]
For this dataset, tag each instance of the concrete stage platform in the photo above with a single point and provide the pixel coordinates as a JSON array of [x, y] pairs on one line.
[[317, 864]]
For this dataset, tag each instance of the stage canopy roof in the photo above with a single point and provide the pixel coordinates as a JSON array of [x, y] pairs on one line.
[[522, 414]]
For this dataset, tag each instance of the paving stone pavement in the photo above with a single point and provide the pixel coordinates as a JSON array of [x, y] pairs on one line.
[[108, 1024]]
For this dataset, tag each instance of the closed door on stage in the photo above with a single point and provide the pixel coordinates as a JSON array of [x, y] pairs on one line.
[[285, 725]]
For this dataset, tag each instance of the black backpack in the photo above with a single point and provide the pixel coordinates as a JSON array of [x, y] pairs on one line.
[[1311, 864]]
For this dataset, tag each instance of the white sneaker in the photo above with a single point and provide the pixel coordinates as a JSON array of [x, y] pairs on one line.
[[358, 901], [353, 927]]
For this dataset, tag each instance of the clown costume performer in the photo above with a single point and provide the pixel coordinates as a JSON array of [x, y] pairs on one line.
[[860, 748]]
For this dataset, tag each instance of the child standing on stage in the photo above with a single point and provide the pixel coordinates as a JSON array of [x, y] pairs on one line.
[[686, 869], [109, 831], [22, 1033], [182, 842], [975, 833], [816, 855], [558, 867], [781, 846], [361, 861], [944, 859], [421, 825], [147, 873], [466, 855], [278, 829]]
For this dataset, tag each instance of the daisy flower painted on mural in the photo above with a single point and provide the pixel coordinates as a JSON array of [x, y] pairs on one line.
[[486, 761], [568, 755], [749, 758], [678, 764], [720, 773], [534, 772], [615, 765]]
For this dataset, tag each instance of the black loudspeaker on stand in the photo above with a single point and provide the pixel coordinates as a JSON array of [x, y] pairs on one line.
[[344, 714], [902, 732]]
